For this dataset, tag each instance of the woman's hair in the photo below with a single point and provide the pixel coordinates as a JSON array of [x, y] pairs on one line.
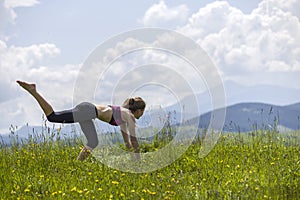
[[134, 104]]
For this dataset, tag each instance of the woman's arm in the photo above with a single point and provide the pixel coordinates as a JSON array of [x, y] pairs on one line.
[[133, 139], [130, 127], [125, 136]]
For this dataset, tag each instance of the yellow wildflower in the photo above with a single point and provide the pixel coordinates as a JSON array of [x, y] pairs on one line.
[[115, 182], [27, 190], [54, 193], [152, 193]]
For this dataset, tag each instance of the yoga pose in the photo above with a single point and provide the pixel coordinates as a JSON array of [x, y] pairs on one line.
[[123, 116]]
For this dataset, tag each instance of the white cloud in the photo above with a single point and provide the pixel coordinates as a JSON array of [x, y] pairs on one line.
[[56, 83], [26, 56], [290, 6], [158, 75], [266, 40], [8, 15], [22, 3], [18, 62], [211, 19], [160, 14]]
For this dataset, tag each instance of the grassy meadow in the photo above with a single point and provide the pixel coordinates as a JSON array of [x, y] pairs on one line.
[[259, 165]]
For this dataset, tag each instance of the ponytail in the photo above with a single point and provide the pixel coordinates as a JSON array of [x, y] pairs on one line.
[[131, 101]]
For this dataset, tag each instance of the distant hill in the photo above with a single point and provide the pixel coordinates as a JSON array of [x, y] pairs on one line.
[[245, 117], [236, 94], [39, 134]]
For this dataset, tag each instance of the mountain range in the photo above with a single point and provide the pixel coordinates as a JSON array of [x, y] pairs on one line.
[[245, 117], [244, 108]]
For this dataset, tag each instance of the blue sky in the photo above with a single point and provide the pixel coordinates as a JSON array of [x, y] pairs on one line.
[[252, 43]]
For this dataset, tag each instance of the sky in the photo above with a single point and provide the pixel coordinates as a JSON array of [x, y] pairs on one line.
[[251, 43]]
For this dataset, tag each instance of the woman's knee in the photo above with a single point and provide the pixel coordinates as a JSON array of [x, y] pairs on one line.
[[89, 130], [51, 117]]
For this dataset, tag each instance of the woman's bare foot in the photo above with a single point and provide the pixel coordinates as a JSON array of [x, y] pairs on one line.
[[84, 153], [31, 88]]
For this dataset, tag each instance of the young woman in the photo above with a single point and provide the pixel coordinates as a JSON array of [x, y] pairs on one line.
[[84, 113]]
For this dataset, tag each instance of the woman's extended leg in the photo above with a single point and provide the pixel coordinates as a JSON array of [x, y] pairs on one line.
[[82, 113], [31, 88], [65, 116]]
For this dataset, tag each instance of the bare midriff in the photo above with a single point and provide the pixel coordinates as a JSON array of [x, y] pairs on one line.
[[104, 112]]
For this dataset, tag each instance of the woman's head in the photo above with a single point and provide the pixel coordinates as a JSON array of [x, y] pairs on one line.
[[134, 104]]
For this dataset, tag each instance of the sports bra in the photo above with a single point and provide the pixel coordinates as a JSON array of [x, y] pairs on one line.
[[116, 118]]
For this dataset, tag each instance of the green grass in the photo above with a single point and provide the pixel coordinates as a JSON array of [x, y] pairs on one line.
[[264, 165]]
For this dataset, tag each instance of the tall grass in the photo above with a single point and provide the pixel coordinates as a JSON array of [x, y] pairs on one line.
[[259, 165]]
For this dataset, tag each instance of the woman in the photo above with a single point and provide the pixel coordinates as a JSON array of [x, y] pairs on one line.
[[84, 113]]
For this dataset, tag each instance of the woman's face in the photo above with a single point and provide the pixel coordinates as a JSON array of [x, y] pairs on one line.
[[138, 113]]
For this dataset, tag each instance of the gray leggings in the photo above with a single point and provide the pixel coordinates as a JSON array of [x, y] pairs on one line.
[[84, 113]]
